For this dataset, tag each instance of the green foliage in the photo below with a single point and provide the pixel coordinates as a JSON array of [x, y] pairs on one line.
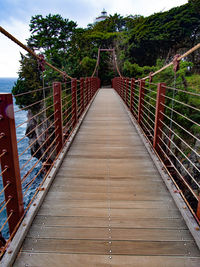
[[164, 34], [52, 33], [141, 43], [193, 81], [29, 80], [87, 65], [134, 70]]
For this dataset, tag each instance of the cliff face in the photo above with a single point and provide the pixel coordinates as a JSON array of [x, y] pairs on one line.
[[188, 167], [38, 136], [193, 168]]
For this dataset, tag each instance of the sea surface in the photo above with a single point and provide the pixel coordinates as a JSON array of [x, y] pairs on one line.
[[6, 85]]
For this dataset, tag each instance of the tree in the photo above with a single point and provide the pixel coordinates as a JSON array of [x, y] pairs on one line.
[[137, 40], [51, 35], [164, 34], [29, 80]]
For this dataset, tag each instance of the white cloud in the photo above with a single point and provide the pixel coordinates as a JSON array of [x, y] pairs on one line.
[[9, 51], [81, 11], [132, 7]]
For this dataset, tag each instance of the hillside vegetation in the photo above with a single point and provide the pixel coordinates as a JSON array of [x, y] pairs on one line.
[[142, 44]]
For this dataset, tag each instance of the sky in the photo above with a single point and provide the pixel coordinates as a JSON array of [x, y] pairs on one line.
[[15, 16]]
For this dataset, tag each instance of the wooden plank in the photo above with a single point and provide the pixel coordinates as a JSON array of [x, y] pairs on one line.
[[137, 177], [89, 166], [61, 260], [102, 181], [80, 260], [96, 170], [105, 154], [186, 248], [84, 163], [137, 189], [125, 222], [115, 204], [38, 231], [103, 212], [91, 147], [113, 139], [104, 196]]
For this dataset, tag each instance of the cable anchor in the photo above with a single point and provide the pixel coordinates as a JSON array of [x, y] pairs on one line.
[[41, 62], [150, 77], [176, 63]]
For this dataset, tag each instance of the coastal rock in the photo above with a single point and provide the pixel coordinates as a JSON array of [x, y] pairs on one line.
[[38, 136]]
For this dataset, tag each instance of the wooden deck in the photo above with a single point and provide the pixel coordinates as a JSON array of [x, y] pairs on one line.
[[108, 205]]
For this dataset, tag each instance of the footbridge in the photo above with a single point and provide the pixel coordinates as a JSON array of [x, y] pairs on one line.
[[111, 181]]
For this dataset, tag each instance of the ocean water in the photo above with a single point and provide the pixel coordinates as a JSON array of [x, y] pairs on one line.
[[6, 85]]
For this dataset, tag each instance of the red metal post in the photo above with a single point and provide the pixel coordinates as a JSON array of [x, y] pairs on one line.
[[159, 116], [96, 84], [99, 83], [74, 101], [93, 86], [10, 162], [87, 91], [124, 89], [118, 85], [141, 100], [91, 89], [58, 114], [114, 83], [198, 208], [82, 94], [127, 90], [132, 93], [89, 82], [121, 87]]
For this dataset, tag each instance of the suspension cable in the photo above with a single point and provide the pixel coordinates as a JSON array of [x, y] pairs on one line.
[[114, 57], [15, 40], [116, 65], [97, 63]]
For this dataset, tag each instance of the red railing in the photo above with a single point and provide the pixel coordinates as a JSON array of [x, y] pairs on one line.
[[169, 117], [54, 118]]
